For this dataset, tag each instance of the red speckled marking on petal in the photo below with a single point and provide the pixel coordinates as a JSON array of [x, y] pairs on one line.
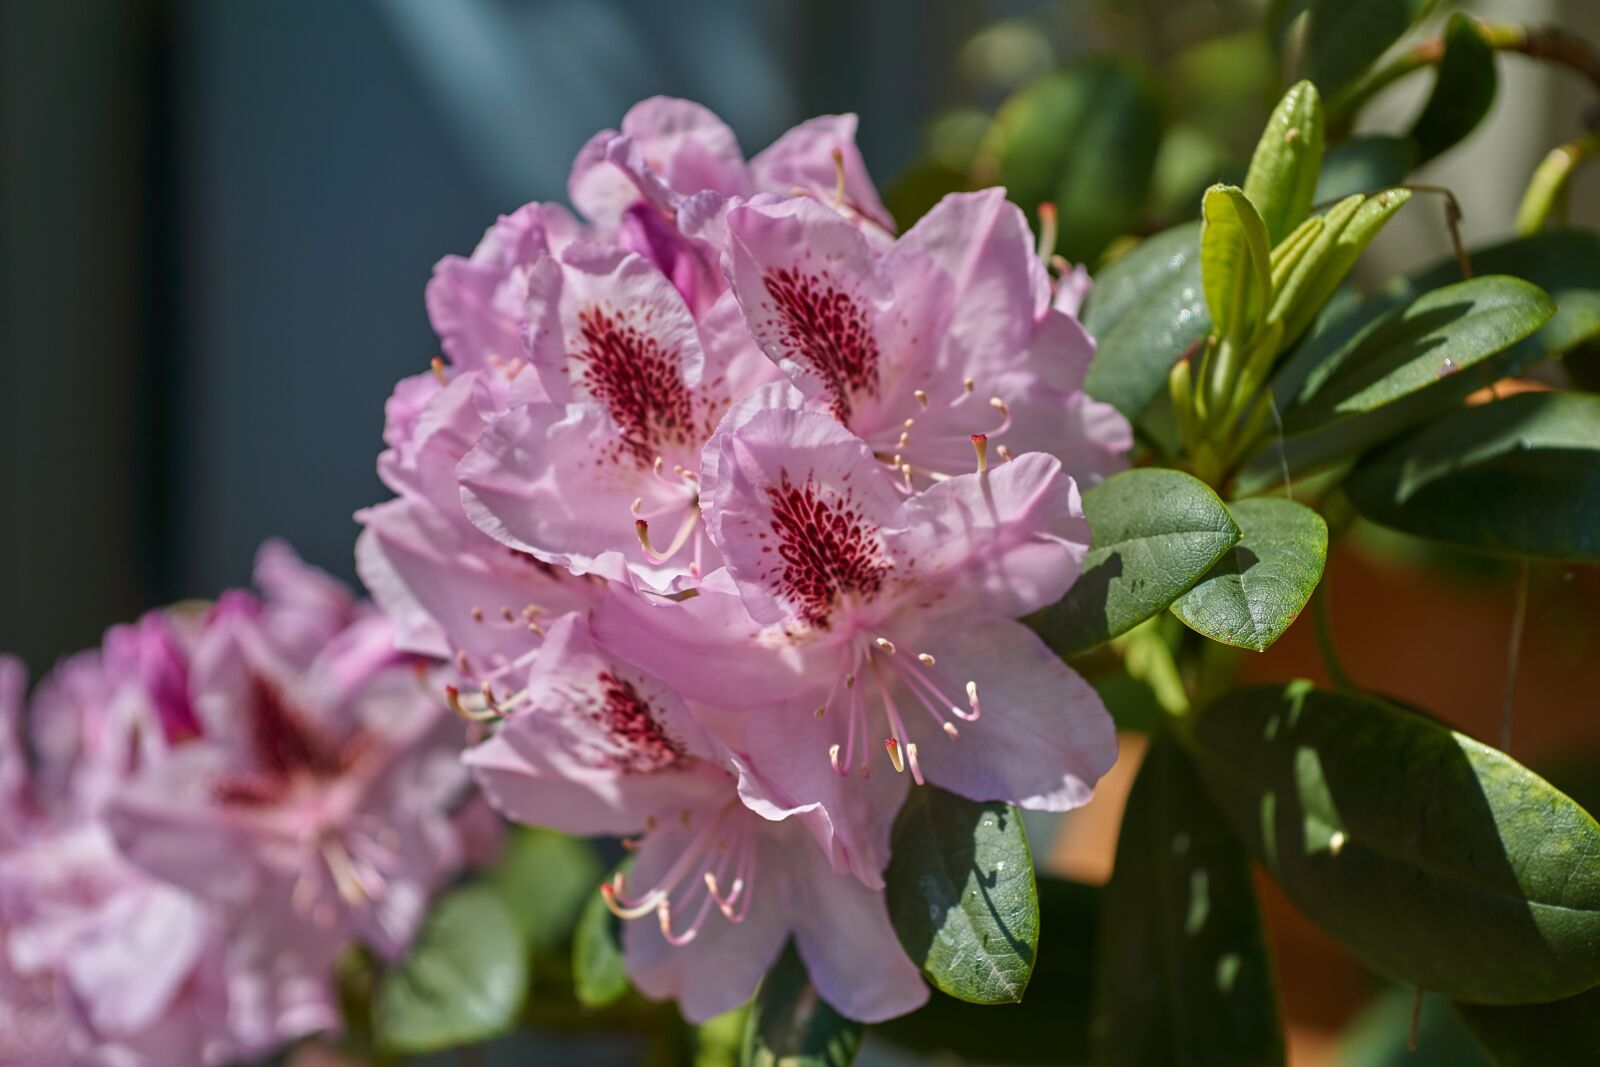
[[826, 548], [631, 739], [826, 331], [639, 382]]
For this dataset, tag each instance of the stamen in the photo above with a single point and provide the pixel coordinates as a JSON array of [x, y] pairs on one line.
[[1005, 414], [980, 445], [968, 384], [885, 644], [925, 659], [1047, 230], [833, 758], [916, 767], [437, 366], [838, 177], [922, 398], [895, 758], [909, 423], [608, 893], [972, 699], [822, 709], [505, 613], [1005, 453], [462, 664], [477, 613], [452, 697], [950, 728]]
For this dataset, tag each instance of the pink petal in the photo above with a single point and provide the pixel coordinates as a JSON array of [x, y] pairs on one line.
[[851, 951], [1005, 542], [806, 281], [598, 747], [798, 510], [1043, 739], [803, 159]]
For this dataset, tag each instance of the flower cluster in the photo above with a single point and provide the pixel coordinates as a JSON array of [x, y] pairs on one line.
[[722, 509], [198, 818]]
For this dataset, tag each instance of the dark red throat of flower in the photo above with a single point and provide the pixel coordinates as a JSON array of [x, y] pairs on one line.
[[827, 331], [826, 549], [639, 382], [285, 747], [626, 717]]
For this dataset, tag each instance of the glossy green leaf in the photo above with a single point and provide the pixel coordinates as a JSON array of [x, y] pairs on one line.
[[1085, 138], [1463, 90], [1537, 1035], [1288, 158], [1565, 264], [463, 981], [1184, 975], [1415, 347], [1154, 533], [545, 878], [790, 1025], [1258, 588], [1144, 311], [1441, 862], [1365, 164], [1050, 1026], [1518, 476], [1235, 265], [599, 977], [1345, 37], [961, 895]]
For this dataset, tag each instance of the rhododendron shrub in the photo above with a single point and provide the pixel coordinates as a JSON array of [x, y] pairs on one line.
[[760, 548]]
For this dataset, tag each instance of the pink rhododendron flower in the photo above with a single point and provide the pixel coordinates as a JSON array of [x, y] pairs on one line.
[[101, 963], [328, 789], [945, 334], [593, 481], [852, 616], [600, 747]]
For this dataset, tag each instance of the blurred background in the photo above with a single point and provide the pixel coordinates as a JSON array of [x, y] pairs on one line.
[[217, 218]]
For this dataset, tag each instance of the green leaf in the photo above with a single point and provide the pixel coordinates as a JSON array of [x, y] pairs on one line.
[[1234, 261], [463, 981], [1416, 346], [544, 879], [1183, 970], [598, 975], [1050, 1026], [1084, 137], [1537, 1035], [1439, 861], [961, 895], [1463, 91], [1253, 594], [1155, 532], [1365, 164], [791, 1026], [1518, 476], [1145, 309], [1345, 37], [1283, 171], [1565, 264]]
